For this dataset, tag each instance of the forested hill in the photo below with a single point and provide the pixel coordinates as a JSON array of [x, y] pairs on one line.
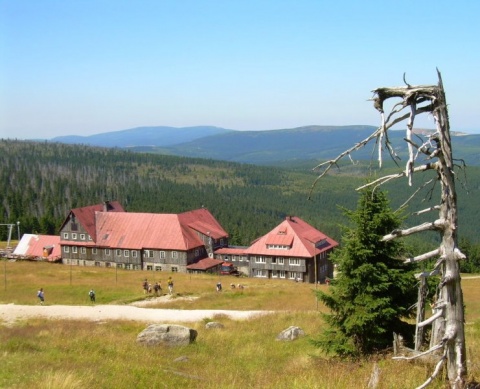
[[271, 147], [41, 181]]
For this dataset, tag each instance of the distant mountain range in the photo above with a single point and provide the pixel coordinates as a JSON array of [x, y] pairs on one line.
[[264, 147]]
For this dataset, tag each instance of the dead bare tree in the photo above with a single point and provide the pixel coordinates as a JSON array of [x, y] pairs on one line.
[[447, 320]]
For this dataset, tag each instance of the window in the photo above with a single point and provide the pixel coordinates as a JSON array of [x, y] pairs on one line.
[[83, 250], [149, 267], [98, 264], [174, 254], [162, 254], [281, 273], [260, 259], [127, 266], [94, 250], [274, 274], [66, 249], [294, 262], [260, 273], [148, 254], [82, 236], [74, 236], [196, 252], [278, 246], [274, 259], [126, 253], [295, 276], [65, 235], [174, 269], [118, 252], [107, 251], [134, 253], [89, 237], [74, 249], [119, 266], [158, 268], [281, 261]]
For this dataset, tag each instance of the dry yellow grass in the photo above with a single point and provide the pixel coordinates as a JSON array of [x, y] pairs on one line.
[[245, 354]]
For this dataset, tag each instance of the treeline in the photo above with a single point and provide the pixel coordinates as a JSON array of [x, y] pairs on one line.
[[42, 181]]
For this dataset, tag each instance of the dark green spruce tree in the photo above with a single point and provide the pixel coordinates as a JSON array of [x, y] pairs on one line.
[[374, 291]]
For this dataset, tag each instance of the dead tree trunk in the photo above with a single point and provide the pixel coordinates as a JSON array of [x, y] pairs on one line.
[[448, 312], [419, 331]]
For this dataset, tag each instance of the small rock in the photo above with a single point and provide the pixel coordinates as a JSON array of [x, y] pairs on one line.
[[214, 324], [291, 333], [183, 358]]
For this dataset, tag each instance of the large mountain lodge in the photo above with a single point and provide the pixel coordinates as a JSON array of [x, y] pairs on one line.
[[104, 235]]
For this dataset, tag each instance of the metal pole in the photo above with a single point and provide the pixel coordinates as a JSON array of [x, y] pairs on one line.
[[18, 230], [10, 227]]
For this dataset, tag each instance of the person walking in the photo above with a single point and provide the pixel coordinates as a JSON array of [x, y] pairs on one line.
[[145, 286], [157, 288], [170, 285], [41, 296], [92, 295]]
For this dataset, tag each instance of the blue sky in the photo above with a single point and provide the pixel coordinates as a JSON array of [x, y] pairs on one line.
[[85, 67]]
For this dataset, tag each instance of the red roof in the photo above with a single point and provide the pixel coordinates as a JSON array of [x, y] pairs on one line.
[[39, 246], [86, 215], [297, 238], [231, 250], [203, 221], [154, 231], [205, 264]]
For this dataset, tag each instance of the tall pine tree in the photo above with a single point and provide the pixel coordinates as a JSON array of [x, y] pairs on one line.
[[374, 289]]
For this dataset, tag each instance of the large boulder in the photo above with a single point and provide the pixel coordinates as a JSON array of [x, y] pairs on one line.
[[166, 334], [291, 333]]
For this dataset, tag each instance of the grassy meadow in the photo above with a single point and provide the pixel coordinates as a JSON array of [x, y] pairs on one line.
[[78, 354]]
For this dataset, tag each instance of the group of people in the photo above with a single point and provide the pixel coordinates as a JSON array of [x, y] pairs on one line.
[[157, 287], [232, 286], [147, 288]]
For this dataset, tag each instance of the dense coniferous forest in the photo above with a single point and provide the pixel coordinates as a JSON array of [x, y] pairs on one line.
[[42, 181]]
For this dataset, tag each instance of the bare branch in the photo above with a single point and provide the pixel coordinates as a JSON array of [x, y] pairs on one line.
[[425, 274], [423, 257], [435, 372], [419, 355], [431, 319], [434, 208], [438, 224]]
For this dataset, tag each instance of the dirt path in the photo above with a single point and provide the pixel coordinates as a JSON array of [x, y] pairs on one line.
[[139, 311], [10, 313]]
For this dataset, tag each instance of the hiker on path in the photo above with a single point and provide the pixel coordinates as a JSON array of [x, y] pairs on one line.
[[145, 286], [92, 295], [170, 285], [157, 288], [41, 296]]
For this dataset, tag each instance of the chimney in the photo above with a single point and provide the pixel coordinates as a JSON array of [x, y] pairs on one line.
[[105, 205]]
